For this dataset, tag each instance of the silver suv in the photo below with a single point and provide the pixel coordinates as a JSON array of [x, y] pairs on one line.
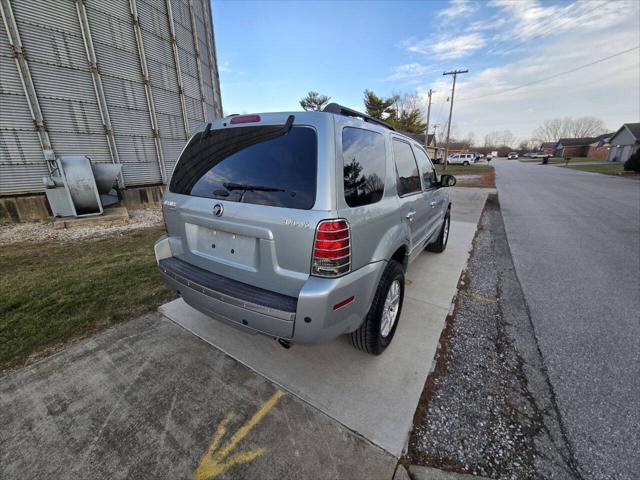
[[301, 225]]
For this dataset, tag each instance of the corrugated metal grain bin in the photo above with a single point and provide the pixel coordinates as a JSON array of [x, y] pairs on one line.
[[122, 81]]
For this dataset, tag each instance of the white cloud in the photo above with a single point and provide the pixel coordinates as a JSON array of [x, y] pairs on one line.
[[224, 67], [489, 100], [410, 71], [529, 19], [457, 7], [446, 48]]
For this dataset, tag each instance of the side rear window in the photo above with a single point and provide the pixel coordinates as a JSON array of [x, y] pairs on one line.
[[406, 168], [363, 157], [249, 165]]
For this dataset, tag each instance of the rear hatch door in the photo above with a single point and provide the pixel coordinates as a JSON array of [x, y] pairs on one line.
[[244, 199]]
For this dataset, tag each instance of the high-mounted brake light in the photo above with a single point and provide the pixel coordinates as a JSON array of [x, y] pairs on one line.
[[244, 119], [331, 249]]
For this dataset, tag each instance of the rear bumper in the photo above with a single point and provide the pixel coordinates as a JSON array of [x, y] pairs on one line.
[[309, 318]]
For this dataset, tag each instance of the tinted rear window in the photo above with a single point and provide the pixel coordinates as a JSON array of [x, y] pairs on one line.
[[363, 156], [234, 165]]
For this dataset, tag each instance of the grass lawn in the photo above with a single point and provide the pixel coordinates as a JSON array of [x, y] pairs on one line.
[[606, 168], [470, 175], [51, 293], [561, 161]]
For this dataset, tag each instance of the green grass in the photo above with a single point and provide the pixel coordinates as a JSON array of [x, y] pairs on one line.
[[606, 168], [463, 169], [51, 293], [561, 161]]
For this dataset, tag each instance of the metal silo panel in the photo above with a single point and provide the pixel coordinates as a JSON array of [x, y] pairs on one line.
[[54, 47], [172, 150], [124, 93], [22, 178], [19, 147], [139, 160], [171, 126], [58, 15], [9, 80], [71, 116], [93, 145]]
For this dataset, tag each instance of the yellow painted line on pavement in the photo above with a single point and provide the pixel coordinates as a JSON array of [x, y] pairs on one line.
[[214, 462], [482, 298]]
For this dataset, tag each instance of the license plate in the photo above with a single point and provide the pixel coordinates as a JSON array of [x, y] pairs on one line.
[[220, 245]]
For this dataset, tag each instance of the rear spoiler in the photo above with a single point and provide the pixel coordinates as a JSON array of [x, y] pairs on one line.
[[348, 112]]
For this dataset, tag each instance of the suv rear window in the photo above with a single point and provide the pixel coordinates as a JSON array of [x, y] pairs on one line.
[[363, 156], [255, 165]]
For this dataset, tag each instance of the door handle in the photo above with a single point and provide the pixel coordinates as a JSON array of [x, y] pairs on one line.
[[433, 204], [410, 215]]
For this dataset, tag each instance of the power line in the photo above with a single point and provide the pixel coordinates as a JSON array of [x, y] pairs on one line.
[[553, 76]]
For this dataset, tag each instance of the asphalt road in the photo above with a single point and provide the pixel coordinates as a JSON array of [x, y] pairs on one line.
[[575, 240]]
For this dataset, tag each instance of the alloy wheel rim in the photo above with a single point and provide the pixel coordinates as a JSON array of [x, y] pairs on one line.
[[446, 231], [390, 309]]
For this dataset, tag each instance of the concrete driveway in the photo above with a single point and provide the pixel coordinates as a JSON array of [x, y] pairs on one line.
[[374, 396], [148, 399], [575, 241]]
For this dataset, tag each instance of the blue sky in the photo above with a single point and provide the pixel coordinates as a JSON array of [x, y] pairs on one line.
[[271, 53]]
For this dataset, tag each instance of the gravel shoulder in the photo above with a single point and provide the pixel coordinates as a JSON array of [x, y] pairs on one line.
[[488, 407], [44, 231]]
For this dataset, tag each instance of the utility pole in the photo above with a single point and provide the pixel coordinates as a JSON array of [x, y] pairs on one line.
[[426, 134], [453, 91], [435, 138]]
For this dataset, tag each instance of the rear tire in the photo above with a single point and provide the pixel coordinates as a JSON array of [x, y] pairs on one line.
[[441, 242], [466, 163], [369, 336]]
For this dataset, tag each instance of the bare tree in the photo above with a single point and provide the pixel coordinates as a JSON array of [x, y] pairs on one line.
[[504, 138], [586, 127], [492, 139], [552, 130], [508, 138]]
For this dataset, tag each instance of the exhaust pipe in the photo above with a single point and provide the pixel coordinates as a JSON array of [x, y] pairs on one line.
[[284, 343]]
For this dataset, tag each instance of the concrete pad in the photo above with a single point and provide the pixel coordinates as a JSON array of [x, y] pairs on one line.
[[374, 396], [111, 216], [146, 400]]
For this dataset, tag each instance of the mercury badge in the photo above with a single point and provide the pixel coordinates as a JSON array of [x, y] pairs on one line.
[[218, 209]]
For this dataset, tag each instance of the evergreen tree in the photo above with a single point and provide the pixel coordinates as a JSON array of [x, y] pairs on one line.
[[314, 102]]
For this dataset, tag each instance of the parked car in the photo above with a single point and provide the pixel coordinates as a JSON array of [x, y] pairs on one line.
[[461, 158], [512, 155], [300, 226], [491, 155], [540, 155]]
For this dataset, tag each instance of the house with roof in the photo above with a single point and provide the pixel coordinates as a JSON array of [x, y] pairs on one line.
[[574, 147], [430, 144], [600, 148], [549, 147], [624, 142]]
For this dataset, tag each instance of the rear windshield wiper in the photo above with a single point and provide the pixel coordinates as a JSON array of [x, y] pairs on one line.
[[246, 187]]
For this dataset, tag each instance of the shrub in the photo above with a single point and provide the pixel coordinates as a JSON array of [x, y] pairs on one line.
[[633, 163]]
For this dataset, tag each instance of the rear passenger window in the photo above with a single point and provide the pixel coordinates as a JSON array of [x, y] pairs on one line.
[[406, 168], [429, 179], [363, 156]]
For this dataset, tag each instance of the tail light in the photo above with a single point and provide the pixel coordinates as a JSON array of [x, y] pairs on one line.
[[331, 249]]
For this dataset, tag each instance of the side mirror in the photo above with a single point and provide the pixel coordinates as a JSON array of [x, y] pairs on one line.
[[447, 180]]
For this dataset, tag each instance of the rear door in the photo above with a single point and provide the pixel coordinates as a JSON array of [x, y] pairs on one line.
[[409, 186], [244, 199], [432, 195]]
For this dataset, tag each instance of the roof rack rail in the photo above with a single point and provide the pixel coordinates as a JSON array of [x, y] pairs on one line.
[[347, 112]]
